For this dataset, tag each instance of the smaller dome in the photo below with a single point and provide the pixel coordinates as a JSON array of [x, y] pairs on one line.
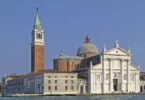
[[87, 47]]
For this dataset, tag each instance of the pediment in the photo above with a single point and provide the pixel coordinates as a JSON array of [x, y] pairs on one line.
[[117, 51]]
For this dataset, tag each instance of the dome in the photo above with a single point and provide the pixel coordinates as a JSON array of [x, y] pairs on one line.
[[87, 47]]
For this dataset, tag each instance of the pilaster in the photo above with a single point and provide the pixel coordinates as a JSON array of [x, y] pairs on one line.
[[104, 75], [110, 74], [122, 72], [128, 74]]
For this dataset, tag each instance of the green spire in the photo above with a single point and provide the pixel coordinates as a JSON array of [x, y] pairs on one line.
[[37, 19]]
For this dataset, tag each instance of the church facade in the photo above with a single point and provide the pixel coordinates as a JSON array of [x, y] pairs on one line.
[[114, 72]]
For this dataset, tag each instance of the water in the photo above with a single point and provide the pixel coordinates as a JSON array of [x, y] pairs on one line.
[[120, 97]]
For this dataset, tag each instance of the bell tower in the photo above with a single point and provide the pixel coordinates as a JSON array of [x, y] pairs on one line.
[[37, 45]]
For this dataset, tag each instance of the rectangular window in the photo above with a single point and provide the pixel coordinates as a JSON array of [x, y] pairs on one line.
[[55, 76], [72, 87], [49, 76], [55, 81], [55, 87], [49, 87], [65, 87], [65, 81], [72, 77], [124, 76], [107, 76], [72, 81], [49, 81]]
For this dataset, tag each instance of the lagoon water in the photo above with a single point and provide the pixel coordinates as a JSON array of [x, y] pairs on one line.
[[116, 97]]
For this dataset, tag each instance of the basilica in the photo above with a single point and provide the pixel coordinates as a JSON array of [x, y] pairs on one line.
[[110, 71], [105, 72]]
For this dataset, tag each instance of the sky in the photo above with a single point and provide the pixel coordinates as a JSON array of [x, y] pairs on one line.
[[66, 24]]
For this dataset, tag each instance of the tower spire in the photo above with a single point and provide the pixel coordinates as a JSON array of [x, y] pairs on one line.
[[37, 45], [37, 18]]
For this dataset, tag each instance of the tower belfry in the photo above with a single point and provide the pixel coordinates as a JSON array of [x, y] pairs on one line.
[[37, 45]]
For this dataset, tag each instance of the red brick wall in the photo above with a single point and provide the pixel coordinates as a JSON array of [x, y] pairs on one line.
[[65, 64], [62, 65], [37, 58]]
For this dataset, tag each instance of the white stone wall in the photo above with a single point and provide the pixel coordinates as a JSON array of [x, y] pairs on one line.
[[63, 80]]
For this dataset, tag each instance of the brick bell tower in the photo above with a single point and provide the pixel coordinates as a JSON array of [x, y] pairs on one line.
[[37, 46]]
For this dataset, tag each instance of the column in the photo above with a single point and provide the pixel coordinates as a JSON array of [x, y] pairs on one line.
[[122, 73], [128, 75], [89, 80], [104, 75], [110, 74], [84, 89]]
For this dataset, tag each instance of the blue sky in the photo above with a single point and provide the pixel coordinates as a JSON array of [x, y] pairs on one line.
[[66, 24]]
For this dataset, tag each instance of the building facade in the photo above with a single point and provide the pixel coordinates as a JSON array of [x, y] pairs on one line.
[[46, 83], [114, 73]]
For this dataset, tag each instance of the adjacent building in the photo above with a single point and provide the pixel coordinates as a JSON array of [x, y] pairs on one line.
[[47, 82]]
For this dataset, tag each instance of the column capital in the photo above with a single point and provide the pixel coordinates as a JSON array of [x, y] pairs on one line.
[[111, 58]]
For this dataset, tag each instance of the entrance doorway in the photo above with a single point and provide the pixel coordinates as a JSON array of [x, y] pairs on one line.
[[141, 90], [115, 84], [81, 90]]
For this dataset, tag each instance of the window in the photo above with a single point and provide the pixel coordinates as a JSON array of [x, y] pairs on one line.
[[65, 87], [55, 81], [55, 87], [72, 77], [49, 81], [124, 76], [107, 76], [65, 81], [49, 87], [42, 88], [49, 76], [55, 76], [72, 81], [72, 87], [39, 36]]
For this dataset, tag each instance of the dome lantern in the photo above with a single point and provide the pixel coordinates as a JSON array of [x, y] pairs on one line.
[[87, 48]]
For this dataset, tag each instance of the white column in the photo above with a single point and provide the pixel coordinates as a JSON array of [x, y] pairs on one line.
[[122, 73], [128, 75], [84, 89], [104, 75], [110, 74], [89, 81]]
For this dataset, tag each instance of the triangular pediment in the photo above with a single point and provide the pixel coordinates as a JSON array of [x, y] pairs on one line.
[[117, 51]]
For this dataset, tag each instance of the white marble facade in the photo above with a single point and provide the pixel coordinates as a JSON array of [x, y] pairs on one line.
[[114, 73]]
